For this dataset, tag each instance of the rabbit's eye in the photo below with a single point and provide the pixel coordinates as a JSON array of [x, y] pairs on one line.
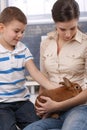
[[77, 87]]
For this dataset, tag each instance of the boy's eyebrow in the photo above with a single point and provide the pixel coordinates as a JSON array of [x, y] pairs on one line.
[[19, 29]]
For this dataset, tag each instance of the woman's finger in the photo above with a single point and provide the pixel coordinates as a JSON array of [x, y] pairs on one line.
[[39, 103]]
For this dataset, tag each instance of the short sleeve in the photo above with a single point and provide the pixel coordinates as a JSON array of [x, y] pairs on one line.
[[28, 55]]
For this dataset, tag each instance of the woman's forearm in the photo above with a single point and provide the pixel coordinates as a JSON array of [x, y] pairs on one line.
[[72, 102]]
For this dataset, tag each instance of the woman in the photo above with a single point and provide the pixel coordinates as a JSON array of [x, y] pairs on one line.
[[64, 54]]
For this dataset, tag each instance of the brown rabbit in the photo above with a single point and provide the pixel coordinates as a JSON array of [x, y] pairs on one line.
[[68, 90]]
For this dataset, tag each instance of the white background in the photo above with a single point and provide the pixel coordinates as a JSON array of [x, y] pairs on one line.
[[37, 7]]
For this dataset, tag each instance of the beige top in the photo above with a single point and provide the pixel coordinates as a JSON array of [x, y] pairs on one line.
[[71, 62]]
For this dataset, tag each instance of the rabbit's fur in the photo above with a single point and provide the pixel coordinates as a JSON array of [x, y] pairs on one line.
[[68, 90]]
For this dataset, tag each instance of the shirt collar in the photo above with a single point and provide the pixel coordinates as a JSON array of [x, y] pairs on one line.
[[78, 37], [52, 35], [19, 47]]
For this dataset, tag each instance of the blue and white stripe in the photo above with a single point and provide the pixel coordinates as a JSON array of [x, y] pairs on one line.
[[12, 79]]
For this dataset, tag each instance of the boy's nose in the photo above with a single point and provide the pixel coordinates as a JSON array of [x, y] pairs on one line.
[[20, 35]]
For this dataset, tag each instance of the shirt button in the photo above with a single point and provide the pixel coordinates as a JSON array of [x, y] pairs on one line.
[[73, 55]]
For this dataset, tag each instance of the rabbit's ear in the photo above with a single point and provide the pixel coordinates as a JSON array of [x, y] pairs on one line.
[[67, 82], [62, 83]]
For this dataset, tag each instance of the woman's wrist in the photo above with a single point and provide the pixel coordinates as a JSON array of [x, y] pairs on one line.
[[64, 105]]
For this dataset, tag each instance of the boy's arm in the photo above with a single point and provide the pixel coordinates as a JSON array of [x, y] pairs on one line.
[[38, 76]]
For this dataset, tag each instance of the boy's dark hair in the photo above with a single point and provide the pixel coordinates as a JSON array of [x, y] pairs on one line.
[[65, 10], [12, 13]]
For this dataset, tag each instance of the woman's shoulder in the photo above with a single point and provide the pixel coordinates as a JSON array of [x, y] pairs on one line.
[[48, 39], [81, 37], [83, 34]]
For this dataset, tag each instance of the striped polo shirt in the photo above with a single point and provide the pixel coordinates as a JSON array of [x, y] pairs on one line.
[[12, 73]]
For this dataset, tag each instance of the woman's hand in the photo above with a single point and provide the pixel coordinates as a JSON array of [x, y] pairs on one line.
[[52, 106], [47, 107]]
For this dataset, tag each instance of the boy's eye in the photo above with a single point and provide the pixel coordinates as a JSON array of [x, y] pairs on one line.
[[72, 28], [22, 32], [16, 31]]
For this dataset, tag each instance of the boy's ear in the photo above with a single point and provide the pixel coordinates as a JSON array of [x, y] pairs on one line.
[[1, 27]]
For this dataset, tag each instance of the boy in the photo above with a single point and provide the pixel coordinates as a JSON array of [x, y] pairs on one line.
[[15, 107]]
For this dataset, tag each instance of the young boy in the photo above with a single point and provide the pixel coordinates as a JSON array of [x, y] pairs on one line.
[[15, 107]]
